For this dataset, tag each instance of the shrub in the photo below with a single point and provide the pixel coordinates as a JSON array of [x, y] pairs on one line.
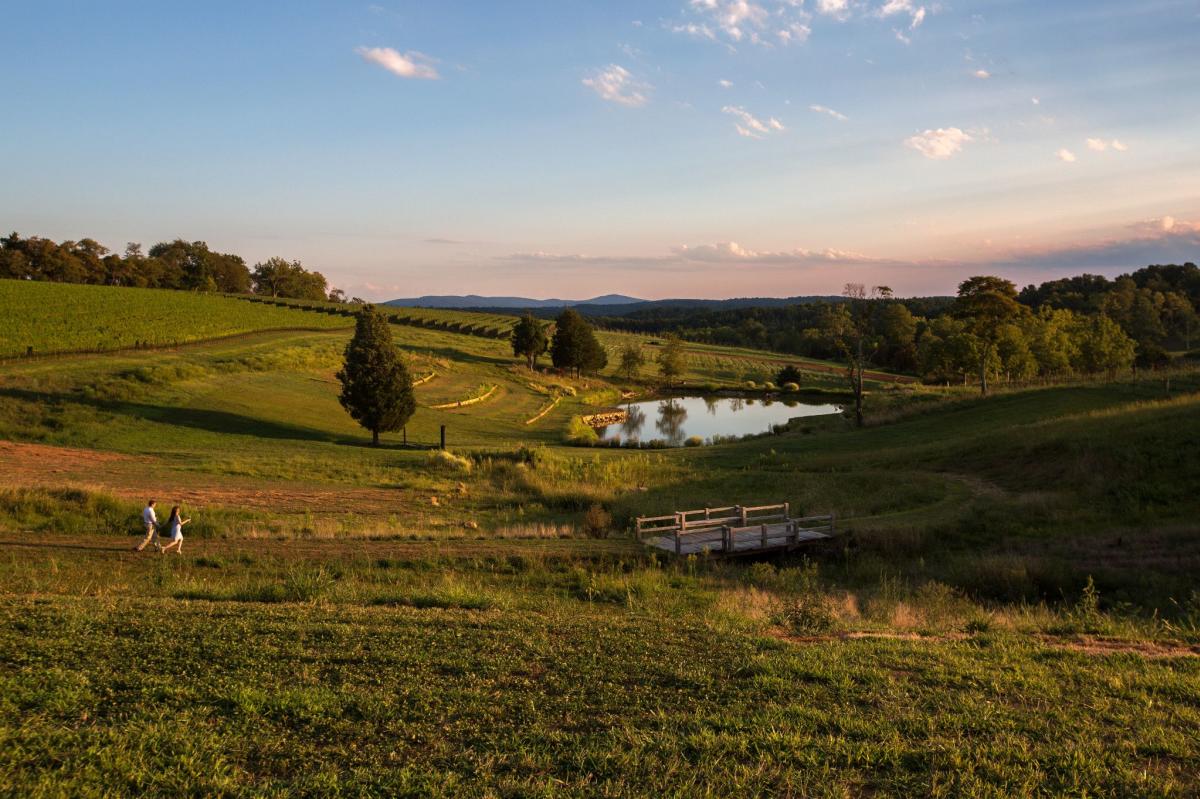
[[580, 433], [597, 522], [750, 384], [769, 386], [791, 388], [694, 441], [445, 459]]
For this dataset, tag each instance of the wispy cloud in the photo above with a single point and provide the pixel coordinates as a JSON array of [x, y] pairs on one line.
[[725, 84], [982, 74], [618, 85], [1066, 156], [407, 65], [821, 109], [759, 22], [751, 126], [697, 257], [916, 13], [1100, 145], [1160, 240], [939, 144]]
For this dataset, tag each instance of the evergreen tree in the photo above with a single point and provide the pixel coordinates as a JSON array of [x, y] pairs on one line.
[[574, 346], [529, 340], [377, 390]]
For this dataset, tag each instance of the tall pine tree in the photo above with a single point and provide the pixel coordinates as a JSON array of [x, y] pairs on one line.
[[377, 390]]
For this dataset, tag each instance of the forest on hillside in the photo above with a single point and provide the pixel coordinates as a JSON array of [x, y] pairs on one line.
[[1082, 324]]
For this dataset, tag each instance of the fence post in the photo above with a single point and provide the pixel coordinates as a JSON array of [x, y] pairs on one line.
[[677, 547], [443, 437], [726, 538], [742, 509], [764, 535]]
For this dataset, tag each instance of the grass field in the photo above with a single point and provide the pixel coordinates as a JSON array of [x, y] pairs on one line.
[[1012, 609], [57, 317]]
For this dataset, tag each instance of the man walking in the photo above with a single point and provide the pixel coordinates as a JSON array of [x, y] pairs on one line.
[[151, 523]]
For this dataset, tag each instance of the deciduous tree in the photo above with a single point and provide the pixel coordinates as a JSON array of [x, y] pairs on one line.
[[529, 340], [986, 304]]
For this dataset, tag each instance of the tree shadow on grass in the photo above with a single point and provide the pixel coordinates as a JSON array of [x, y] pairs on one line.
[[194, 418]]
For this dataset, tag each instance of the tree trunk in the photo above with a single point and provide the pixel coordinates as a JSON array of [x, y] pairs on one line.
[[858, 386], [374, 438], [983, 386]]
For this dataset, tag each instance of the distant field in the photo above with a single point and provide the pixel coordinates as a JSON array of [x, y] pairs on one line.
[[56, 317]]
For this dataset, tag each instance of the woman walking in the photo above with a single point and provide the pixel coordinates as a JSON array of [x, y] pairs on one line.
[[175, 531]]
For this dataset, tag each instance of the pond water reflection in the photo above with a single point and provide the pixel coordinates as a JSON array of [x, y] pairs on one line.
[[676, 419]]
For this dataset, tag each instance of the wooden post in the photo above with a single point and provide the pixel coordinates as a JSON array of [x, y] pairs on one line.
[[678, 549], [443, 436], [787, 510], [832, 529], [743, 512], [726, 538], [764, 535]]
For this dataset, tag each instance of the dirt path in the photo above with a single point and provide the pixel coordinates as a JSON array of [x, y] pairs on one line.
[[136, 478]]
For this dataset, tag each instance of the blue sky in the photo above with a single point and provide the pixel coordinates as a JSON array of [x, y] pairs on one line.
[[569, 148]]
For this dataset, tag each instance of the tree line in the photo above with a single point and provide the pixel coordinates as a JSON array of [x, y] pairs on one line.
[[178, 264], [990, 331]]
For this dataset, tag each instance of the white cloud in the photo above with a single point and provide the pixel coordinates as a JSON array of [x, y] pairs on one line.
[[699, 31], [1066, 155], [725, 84], [939, 144], [821, 109], [838, 9], [1035, 100], [1100, 145], [982, 74], [617, 85], [407, 65], [751, 126], [916, 14], [759, 22], [795, 32]]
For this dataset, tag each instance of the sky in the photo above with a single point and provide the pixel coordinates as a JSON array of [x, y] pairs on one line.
[[660, 148]]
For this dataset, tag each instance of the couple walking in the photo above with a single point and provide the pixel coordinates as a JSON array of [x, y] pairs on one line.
[[174, 530]]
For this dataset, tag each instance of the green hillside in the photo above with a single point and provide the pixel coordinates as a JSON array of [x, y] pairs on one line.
[[57, 317]]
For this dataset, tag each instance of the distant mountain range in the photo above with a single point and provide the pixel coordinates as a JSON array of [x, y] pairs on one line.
[[607, 305], [476, 301]]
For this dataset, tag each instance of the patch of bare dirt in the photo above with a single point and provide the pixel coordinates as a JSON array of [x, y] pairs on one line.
[[137, 477]]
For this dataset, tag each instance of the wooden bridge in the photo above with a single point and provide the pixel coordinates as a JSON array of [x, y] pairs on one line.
[[736, 530]]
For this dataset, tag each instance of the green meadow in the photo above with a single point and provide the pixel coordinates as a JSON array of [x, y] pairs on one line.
[[1010, 607]]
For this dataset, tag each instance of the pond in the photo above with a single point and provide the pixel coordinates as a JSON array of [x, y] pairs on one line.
[[677, 419]]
